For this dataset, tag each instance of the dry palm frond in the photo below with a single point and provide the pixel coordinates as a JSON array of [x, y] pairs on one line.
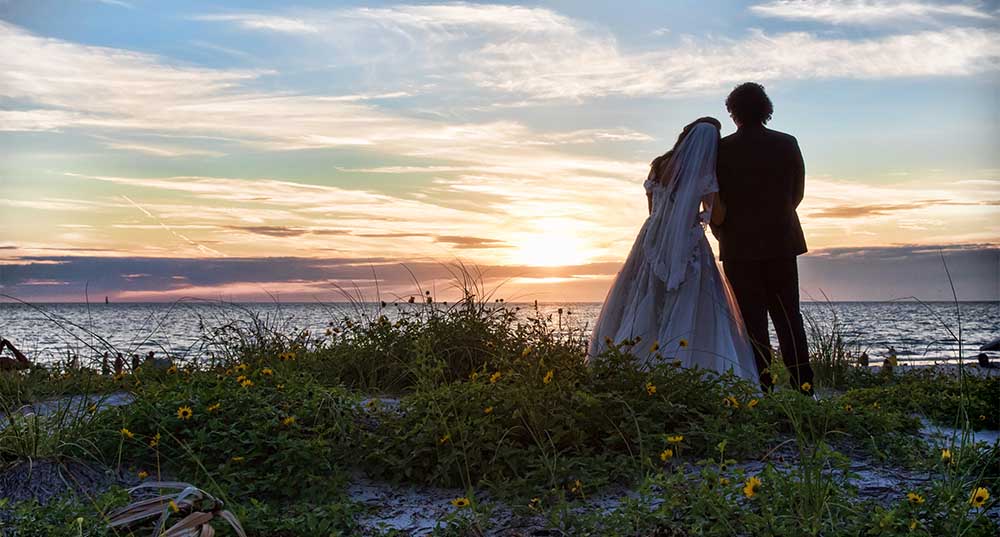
[[198, 507]]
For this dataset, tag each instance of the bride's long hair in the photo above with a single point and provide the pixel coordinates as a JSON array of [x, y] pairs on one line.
[[662, 166]]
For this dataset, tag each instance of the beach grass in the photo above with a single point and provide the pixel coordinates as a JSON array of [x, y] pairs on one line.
[[505, 412]]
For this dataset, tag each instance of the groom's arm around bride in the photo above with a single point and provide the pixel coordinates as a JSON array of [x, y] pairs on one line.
[[761, 182]]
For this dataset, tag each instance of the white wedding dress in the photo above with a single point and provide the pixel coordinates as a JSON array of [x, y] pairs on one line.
[[671, 293]]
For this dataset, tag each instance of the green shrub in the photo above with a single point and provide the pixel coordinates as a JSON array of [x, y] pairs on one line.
[[262, 431], [66, 516]]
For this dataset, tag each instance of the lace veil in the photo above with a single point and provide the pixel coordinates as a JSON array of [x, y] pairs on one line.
[[675, 224]]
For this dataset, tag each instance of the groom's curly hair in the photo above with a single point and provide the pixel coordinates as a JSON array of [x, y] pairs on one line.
[[749, 104]]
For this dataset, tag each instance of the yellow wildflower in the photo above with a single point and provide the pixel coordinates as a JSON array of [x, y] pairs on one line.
[[577, 487], [495, 377], [172, 370], [752, 403], [914, 498], [655, 347], [461, 503], [142, 475], [127, 433], [848, 408], [723, 481], [675, 439], [280, 387], [289, 421], [979, 497], [155, 441], [444, 439], [242, 367], [184, 412], [683, 343], [473, 376], [119, 377], [267, 372], [247, 383], [946, 456], [92, 408], [731, 401], [173, 506], [238, 459], [666, 455], [535, 503], [650, 388], [526, 352], [548, 377], [751, 487], [806, 386], [214, 407], [240, 379], [913, 525], [488, 410]]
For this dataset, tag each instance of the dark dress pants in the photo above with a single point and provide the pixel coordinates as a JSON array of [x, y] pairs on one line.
[[771, 286]]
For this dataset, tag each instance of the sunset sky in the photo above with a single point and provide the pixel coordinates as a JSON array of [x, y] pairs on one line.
[[157, 150]]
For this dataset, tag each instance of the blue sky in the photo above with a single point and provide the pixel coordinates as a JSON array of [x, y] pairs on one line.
[[295, 135]]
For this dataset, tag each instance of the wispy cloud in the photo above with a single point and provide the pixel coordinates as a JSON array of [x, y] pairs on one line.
[[846, 213], [542, 212], [287, 231], [160, 150], [471, 242], [533, 53], [269, 23], [536, 53], [889, 207], [229, 51], [105, 90], [36, 120], [868, 11], [201, 247], [702, 67], [117, 3], [523, 215]]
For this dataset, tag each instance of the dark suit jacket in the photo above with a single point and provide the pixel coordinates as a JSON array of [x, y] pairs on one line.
[[761, 182]]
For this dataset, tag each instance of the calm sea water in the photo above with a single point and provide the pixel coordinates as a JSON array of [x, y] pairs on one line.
[[918, 332]]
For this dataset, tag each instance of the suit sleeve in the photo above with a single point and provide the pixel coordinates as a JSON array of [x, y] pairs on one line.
[[799, 173]]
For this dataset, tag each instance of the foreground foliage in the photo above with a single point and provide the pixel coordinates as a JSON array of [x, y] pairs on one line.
[[477, 397]]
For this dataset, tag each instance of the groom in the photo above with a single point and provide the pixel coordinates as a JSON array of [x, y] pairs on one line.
[[761, 182]]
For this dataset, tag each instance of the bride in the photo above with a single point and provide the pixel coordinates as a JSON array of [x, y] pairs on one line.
[[670, 295]]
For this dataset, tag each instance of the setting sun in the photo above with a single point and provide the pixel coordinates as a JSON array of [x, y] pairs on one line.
[[552, 248]]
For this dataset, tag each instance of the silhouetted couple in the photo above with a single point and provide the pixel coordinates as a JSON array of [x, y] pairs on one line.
[[671, 296]]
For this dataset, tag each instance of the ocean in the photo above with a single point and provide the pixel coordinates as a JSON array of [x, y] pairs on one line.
[[919, 332]]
